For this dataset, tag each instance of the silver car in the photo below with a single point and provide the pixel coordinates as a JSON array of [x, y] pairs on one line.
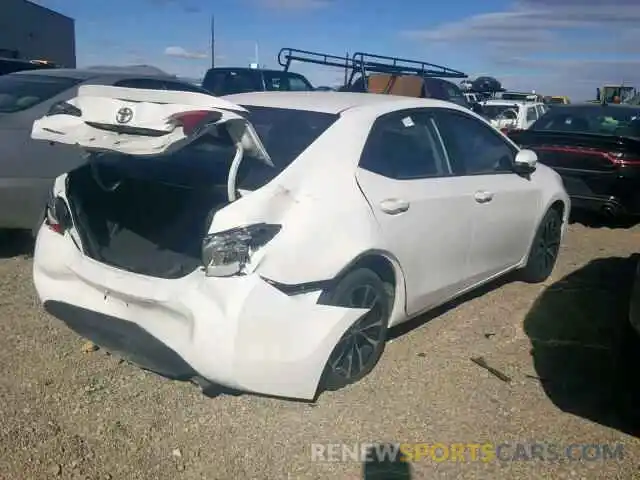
[[28, 168]]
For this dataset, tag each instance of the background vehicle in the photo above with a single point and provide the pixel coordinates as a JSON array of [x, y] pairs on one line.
[[11, 65], [596, 150], [557, 100], [229, 80], [351, 212], [367, 72], [507, 115], [27, 168], [606, 93]]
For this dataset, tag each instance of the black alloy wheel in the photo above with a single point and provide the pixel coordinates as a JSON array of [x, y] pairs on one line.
[[361, 346], [544, 250]]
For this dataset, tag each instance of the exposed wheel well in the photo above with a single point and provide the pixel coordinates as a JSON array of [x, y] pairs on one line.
[[559, 207], [381, 266]]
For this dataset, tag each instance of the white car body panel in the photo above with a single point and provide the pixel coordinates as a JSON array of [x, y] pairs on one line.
[[428, 218], [244, 333]]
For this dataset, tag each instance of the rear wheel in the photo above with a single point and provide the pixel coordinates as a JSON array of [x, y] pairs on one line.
[[361, 346], [545, 248]]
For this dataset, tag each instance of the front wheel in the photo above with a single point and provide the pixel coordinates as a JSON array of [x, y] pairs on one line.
[[361, 346], [544, 249]]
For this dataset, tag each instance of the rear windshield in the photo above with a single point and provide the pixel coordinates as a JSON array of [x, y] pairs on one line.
[[285, 134], [20, 92], [495, 112], [609, 120]]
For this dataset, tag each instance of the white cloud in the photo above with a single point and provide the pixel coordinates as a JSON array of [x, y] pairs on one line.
[[184, 53], [538, 23], [519, 41]]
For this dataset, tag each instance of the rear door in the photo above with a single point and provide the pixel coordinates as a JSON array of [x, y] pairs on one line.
[[505, 205], [27, 169], [425, 219]]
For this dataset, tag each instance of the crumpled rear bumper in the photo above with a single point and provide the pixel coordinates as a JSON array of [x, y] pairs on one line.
[[238, 332]]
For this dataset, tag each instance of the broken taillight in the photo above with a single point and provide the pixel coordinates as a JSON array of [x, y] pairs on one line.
[[227, 253], [195, 120], [64, 108], [57, 216]]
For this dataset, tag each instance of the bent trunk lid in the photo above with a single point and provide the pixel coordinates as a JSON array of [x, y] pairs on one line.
[[140, 122]]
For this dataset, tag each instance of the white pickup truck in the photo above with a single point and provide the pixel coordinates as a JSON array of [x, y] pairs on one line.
[[508, 115]]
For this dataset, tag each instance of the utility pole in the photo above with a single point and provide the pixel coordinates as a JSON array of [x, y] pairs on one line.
[[213, 41]]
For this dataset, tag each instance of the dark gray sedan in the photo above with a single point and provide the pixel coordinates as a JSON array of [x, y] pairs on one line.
[[28, 168]]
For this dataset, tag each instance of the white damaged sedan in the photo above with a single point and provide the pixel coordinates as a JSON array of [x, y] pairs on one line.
[[265, 242]]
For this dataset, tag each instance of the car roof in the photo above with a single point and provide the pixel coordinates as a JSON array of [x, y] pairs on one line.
[[88, 74], [334, 102]]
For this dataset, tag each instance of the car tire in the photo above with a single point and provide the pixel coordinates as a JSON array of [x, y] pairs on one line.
[[367, 336], [544, 249]]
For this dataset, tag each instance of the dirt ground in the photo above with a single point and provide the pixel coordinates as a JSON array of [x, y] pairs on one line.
[[67, 413]]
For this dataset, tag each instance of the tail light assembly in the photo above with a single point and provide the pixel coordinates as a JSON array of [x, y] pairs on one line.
[[57, 215], [227, 253], [64, 108], [194, 121]]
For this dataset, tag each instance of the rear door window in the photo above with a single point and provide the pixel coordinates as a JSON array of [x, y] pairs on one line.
[[22, 91], [532, 115], [404, 146]]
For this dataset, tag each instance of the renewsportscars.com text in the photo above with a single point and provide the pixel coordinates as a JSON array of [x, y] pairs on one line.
[[465, 452]]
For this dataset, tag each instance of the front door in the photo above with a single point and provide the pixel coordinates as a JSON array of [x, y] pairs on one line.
[[505, 204], [425, 220]]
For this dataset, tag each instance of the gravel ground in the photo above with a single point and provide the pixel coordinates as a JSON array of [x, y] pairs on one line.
[[68, 413]]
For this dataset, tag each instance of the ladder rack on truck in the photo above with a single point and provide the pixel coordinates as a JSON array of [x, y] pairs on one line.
[[367, 63]]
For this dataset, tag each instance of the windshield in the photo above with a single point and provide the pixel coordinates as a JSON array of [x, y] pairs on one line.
[[608, 120], [20, 92], [495, 112]]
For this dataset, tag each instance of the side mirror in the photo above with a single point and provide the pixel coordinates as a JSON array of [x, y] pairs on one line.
[[525, 161]]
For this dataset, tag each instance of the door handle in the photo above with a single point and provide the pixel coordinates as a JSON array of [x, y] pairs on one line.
[[483, 196], [393, 206]]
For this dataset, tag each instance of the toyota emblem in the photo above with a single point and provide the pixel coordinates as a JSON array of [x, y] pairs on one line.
[[124, 115]]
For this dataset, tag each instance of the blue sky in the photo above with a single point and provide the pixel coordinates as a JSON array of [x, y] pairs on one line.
[[555, 46]]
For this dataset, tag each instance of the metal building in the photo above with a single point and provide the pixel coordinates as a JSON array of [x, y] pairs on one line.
[[33, 32]]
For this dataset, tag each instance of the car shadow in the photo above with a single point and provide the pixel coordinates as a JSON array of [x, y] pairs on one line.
[[585, 354], [376, 468], [14, 243], [593, 220]]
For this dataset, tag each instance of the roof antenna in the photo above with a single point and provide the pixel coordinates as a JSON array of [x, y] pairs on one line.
[[213, 42]]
